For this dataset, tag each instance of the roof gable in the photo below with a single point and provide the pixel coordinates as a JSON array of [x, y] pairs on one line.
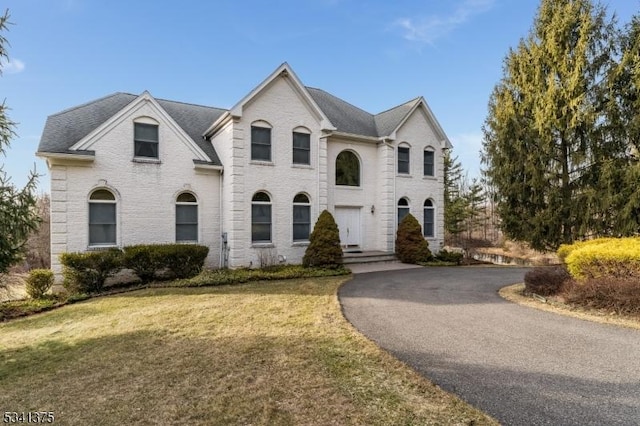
[[283, 71], [68, 131]]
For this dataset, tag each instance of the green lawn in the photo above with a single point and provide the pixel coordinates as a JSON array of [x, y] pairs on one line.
[[260, 353]]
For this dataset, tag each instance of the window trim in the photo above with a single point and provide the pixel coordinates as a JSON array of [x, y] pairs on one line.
[[197, 223], [404, 146], [300, 131], [262, 203], [429, 149], [432, 208], [146, 123], [357, 157], [307, 205], [113, 202], [263, 126]]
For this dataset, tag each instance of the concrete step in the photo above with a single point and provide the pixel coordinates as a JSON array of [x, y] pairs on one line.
[[367, 257]]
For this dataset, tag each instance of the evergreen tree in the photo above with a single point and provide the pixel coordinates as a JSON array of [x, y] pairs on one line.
[[474, 198], [455, 205], [411, 247], [545, 140], [324, 243], [18, 213], [623, 109]]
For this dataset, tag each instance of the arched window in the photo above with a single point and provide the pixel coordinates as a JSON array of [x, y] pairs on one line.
[[102, 218], [403, 209], [301, 218], [347, 169], [186, 218], [261, 218], [261, 141], [429, 162], [404, 154], [429, 219]]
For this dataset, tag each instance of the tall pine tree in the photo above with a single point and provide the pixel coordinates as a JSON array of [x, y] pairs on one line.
[[18, 214], [544, 143]]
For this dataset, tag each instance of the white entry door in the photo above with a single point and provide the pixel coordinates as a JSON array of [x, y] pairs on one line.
[[348, 220]]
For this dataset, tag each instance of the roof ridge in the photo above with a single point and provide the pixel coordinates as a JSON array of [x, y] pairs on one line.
[[64, 111], [346, 102], [400, 105]]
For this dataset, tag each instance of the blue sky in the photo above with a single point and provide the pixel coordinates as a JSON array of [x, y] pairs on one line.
[[373, 54]]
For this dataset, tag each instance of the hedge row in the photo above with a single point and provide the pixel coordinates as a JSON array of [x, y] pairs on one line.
[[87, 272], [604, 257]]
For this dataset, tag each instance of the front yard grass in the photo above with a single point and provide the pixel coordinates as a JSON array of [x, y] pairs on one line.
[[261, 353]]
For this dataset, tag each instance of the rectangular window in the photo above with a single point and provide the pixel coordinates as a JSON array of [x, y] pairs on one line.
[[301, 223], [429, 222], [402, 212], [403, 160], [261, 223], [186, 223], [301, 148], [102, 224], [145, 140], [260, 143], [429, 163]]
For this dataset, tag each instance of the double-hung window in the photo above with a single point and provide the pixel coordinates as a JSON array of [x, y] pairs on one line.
[[260, 143], [301, 218], [145, 140], [403, 159], [429, 219], [102, 218], [429, 162], [186, 218], [301, 148], [261, 218]]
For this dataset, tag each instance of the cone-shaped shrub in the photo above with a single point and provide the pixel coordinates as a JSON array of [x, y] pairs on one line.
[[411, 247], [324, 243]]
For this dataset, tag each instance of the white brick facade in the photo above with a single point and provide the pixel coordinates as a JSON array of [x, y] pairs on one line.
[[146, 191]]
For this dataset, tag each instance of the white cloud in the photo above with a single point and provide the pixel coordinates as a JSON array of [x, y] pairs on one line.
[[12, 66], [428, 30]]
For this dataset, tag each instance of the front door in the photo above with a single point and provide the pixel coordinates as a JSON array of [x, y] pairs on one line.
[[348, 220]]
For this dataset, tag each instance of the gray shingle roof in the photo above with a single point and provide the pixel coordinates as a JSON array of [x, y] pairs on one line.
[[388, 121], [351, 119], [64, 129]]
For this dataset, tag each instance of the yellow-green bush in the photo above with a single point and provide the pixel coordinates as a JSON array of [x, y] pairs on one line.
[[604, 257], [566, 249]]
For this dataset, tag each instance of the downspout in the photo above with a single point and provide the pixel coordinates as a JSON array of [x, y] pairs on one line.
[[223, 246]]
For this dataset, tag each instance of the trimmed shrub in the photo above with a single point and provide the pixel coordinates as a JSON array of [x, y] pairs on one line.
[[87, 272], [619, 295], [614, 257], [324, 244], [450, 256], [566, 249], [39, 282], [181, 260], [546, 281], [411, 247], [143, 260]]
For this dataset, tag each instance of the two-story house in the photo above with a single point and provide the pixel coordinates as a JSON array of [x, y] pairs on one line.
[[248, 182]]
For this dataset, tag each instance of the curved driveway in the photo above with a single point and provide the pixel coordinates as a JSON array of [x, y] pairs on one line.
[[520, 365]]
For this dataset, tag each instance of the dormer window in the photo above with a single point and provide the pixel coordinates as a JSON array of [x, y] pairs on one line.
[[145, 140]]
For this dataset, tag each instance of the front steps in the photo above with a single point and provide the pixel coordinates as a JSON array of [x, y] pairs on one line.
[[367, 257]]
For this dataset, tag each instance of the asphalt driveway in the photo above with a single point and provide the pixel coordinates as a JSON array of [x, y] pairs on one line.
[[520, 365]]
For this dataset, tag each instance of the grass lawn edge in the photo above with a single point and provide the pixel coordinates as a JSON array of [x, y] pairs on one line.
[[513, 293]]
